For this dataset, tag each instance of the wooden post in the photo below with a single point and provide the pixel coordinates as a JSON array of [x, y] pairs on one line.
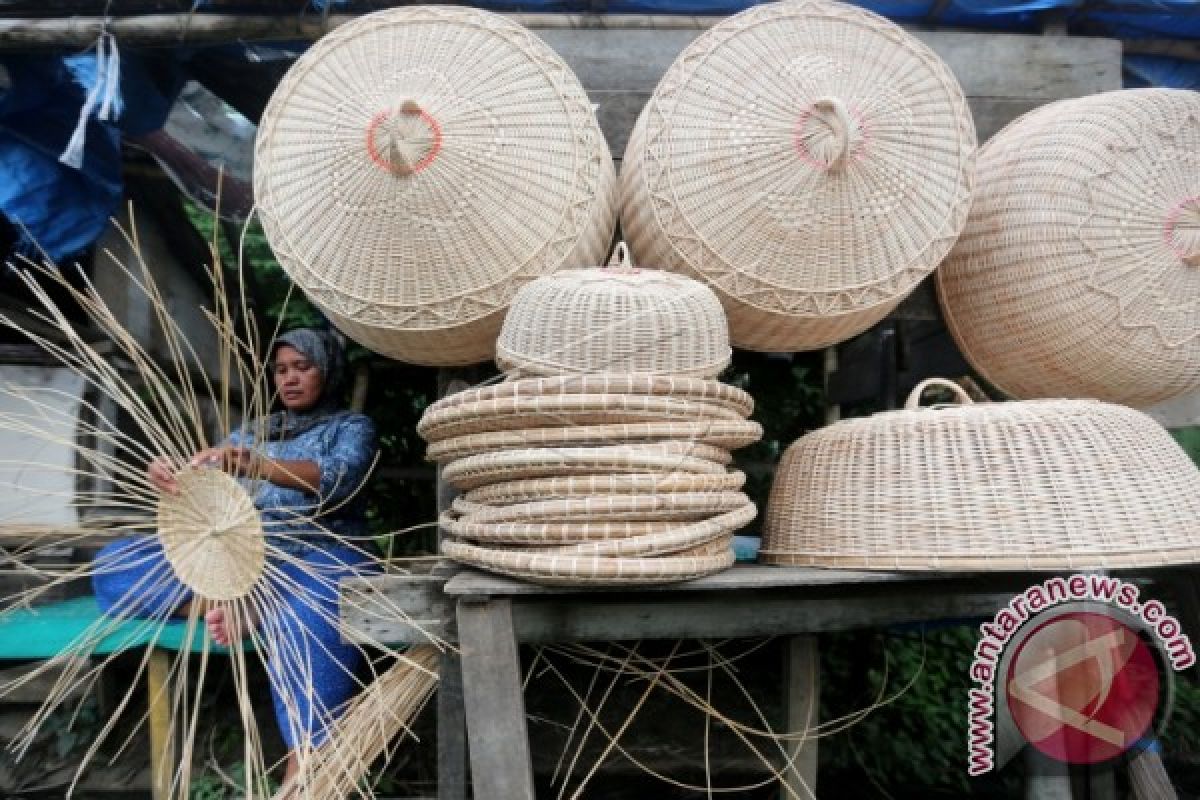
[[801, 698], [162, 756], [498, 737]]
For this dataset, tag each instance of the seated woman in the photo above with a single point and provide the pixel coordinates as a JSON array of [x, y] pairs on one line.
[[309, 460]]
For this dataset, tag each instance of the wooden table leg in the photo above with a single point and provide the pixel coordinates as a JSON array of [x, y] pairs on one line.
[[162, 759], [801, 693], [497, 736], [451, 731]]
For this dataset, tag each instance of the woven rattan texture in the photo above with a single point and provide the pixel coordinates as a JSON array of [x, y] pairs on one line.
[[416, 166], [810, 161], [1041, 484], [576, 570], [1078, 274], [512, 465], [688, 388], [726, 434], [531, 489], [211, 534], [614, 320]]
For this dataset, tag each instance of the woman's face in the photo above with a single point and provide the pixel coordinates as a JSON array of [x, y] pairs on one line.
[[296, 378]]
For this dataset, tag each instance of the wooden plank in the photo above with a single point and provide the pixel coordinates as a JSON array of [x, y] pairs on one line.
[[403, 609], [451, 730], [742, 576], [495, 706], [801, 701], [162, 756]]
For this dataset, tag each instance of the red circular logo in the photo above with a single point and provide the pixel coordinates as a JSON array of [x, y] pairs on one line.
[[1083, 687]]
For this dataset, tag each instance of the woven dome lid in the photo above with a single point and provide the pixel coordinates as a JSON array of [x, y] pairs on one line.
[[1045, 484], [617, 319], [417, 165], [1078, 273], [211, 534], [809, 160]]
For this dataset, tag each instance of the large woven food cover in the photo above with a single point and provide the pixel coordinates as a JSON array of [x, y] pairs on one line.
[[418, 165], [809, 160], [1078, 274], [1036, 484], [616, 319]]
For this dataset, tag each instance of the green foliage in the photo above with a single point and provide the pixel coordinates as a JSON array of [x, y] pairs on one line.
[[1189, 439]]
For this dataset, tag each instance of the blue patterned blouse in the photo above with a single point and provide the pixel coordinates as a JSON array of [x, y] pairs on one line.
[[343, 446]]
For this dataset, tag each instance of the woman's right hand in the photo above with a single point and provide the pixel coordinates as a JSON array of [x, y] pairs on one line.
[[162, 474]]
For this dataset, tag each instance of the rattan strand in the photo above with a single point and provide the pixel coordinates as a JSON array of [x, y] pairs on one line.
[[529, 490], [553, 411], [810, 161], [212, 535], [1078, 274], [512, 465], [1040, 484], [556, 570], [518, 533], [649, 547], [728, 435], [416, 166], [676, 507], [614, 320], [686, 388]]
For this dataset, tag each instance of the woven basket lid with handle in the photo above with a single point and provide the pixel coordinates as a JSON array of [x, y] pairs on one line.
[[1078, 274], [416, 166], [617, 319], [1036, 484], [810, 161]]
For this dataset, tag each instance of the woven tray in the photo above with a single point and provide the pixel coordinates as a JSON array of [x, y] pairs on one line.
[[723, 434], [707, 391], [614, 320], [541, 533], [677, 507], [1042, 484], [514, 465], [556, 570], [516, 413], [530, 490], [416, 166], [655, 542], [216, 567], [647, 547], [1078, 274], [810, 161]]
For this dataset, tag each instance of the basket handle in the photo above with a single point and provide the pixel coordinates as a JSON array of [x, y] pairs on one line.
[[914, 397], [841, 129], [621, 261]]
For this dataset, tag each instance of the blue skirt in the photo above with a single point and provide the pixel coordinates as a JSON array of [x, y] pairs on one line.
[[311, 670]]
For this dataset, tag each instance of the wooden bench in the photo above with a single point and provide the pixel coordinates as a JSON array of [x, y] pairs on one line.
[[481, 707]]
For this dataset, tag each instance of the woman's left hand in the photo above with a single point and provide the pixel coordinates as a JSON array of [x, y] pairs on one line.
[[239, 461]]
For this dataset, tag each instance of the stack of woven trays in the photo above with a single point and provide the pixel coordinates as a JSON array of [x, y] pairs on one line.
[[605, 477]]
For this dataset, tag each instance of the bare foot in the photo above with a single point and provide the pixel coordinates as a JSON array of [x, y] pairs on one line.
[[224, 628]]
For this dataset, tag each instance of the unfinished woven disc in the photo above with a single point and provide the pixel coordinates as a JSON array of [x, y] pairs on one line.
[[575, 570], [416, 166], [552, 411], [810, 161], [529, 490], [707, 391], [653, 542], [1038, 484], [677, 506], [212, 535], [513, 465], [615, 320], [1078, 274], [717, 433]]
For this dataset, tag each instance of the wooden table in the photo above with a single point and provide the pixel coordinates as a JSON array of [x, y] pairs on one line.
[[489, 615]]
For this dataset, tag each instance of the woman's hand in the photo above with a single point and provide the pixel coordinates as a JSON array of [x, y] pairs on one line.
[[162, 474], [239, 461]]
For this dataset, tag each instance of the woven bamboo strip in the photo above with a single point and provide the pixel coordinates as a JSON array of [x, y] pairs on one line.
[[678, 507], [529, 490], [535, 533]]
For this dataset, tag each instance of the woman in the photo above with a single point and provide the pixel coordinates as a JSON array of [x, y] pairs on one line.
[[308, 461]]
